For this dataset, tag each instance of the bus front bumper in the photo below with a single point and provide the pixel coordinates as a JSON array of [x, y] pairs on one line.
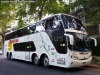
[[78, 63]]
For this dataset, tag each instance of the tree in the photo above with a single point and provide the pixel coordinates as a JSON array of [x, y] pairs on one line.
[[37, 9], [21, 13], [6, 16], [40, 8], [90, 9]]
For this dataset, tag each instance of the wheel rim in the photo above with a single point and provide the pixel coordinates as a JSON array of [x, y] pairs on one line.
[[36, 59], [46, 61]]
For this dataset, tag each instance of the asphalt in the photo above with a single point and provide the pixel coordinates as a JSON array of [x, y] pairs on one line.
[[88, 66], [17, 67]]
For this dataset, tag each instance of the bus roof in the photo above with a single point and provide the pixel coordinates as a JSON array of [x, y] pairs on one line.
[[42, 20]]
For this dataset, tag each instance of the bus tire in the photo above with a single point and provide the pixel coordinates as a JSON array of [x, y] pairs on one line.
[[45, 61], [10, 57], [36, 60], [7, 55]]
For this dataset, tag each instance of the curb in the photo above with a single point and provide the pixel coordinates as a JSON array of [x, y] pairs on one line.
[[93, 66]]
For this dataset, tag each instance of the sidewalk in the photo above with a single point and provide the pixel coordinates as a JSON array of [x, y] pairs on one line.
[[93, 66], [2, 56]]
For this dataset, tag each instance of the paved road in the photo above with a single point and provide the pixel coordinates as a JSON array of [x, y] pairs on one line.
[[16, 67]]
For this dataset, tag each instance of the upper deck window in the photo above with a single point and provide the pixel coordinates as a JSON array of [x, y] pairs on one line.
[[72, 23], [53, 22]]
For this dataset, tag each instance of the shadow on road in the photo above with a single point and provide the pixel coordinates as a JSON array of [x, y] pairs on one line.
[[67, 69], [72, 70]]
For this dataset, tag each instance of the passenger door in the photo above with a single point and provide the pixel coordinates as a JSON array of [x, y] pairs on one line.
[[27, 51]]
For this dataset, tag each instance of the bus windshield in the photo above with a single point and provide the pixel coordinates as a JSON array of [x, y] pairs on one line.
[[80, 42], [72, 23]]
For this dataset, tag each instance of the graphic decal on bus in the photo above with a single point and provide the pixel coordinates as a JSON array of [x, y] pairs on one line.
[[10, 42], [9, 45], [44, 44]]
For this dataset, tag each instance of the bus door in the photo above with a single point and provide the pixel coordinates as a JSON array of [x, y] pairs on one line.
[[27, 51], [61, 52]]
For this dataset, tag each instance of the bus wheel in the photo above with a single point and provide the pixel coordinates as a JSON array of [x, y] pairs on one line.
[[7, 55], [36, 61], [45, 61], [10, 56]]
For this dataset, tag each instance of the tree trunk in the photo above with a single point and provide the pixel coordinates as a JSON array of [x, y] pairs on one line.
[[3, 37], [41, 11]]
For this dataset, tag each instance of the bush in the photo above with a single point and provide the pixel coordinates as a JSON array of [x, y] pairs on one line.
[[96, 60]]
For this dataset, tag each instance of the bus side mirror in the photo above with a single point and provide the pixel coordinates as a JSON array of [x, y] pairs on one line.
[[71, 38], [92, 42]]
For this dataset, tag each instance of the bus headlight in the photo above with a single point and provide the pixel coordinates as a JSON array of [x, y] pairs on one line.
[[74, 57]]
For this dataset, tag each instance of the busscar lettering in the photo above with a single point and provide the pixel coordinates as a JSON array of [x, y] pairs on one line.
[[14, 40]]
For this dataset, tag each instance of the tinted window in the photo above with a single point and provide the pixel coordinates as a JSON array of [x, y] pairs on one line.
[[24, 31], [19, 33], [52, 22], [19, 47], [25, 46], [72, 23], [29, 46], [9, 36], [32, 29], [48, 23]]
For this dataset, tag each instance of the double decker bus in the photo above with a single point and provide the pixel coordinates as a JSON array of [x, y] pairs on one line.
[[60, 40]]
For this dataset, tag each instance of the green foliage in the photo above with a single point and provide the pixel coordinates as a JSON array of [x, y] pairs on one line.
[[90, 10], [21, 9], [96, 60], [96, 50], [5, 15], [20, 23], [40, 8]]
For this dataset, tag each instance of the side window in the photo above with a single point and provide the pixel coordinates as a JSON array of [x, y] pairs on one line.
[[39, 27], [24, 31], [19, 47], [10, 36], [48, 23], [19, 33], [56, 22], [29, 46], [32, 29], [16, 35], [25, 46], [52, 22], [7, 37]]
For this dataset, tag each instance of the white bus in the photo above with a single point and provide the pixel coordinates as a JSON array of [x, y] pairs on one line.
[[59, 40]]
